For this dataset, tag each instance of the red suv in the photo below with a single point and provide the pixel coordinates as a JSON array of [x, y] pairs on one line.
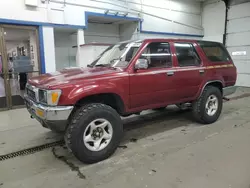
[[127, 78]]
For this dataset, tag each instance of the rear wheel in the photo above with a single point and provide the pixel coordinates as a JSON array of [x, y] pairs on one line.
[[94, 133], [207, 108]]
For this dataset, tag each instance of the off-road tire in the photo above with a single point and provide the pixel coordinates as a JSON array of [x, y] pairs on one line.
[[80, 120], [199, 112]]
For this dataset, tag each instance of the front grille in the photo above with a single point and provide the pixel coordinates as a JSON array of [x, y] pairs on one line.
[[31, 94]]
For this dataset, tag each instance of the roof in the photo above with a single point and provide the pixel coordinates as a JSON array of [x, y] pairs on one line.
[[168, 39], [176, 40]]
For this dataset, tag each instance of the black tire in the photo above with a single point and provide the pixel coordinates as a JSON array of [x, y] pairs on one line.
[[81, 119], [199, 111]]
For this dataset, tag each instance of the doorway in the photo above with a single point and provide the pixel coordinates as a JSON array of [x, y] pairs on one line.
[[19, 60]]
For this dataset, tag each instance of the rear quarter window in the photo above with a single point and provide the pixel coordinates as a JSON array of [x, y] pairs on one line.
[[215, 52]]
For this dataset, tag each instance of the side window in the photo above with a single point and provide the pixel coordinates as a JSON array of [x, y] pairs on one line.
[[131, 53], [158, 55], [215, 52], [186, 55]]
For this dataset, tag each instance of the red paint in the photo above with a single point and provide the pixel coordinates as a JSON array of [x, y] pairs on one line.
[[139, 90]]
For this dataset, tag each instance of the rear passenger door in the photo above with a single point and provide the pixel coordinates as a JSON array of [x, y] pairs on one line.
[[189, 70]]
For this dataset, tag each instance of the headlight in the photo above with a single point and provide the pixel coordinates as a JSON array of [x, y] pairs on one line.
[[49, 97], [42, 94]]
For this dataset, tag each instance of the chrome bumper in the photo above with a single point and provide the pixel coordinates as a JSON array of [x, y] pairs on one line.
[[229, 90], [48, 113]]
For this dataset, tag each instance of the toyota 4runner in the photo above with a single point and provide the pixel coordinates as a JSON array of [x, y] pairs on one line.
[[127, 78]]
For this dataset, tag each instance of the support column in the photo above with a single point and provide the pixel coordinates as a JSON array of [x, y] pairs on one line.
[[80, 41], [49, 49]]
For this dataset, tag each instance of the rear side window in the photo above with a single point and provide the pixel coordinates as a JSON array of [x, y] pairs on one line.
[[215, 52], [186, 55]]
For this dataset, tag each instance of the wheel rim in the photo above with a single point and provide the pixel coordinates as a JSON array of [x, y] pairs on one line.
[[98, 135], [212, 105]]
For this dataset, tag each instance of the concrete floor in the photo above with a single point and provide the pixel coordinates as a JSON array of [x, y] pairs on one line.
[[159, 150]]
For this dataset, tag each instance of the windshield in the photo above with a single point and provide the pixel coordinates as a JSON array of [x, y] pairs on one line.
[[118, 55]]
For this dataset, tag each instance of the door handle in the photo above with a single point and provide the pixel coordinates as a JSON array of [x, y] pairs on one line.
[[202, 71], [170, 73]]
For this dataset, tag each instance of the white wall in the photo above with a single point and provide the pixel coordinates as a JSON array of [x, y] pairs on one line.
[[102, 33], [49, 49], [65, 54], [238, 32], [164, 16], [213, 20], [172, 16], [180, 16], [128, 31]]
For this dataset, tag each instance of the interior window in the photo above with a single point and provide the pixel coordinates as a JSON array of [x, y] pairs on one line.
[[215, 52], [158, 55], [186, 55]]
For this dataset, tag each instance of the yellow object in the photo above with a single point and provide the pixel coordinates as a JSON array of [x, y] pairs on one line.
[[39, 112], [54, 97]]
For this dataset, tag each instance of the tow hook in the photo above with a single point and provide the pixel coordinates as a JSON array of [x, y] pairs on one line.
[[226, 99]]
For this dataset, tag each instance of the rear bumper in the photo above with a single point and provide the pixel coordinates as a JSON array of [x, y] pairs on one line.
[[229, 90], [55, 117]]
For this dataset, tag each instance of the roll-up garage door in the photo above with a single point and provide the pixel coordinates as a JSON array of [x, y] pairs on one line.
[[238, 40]]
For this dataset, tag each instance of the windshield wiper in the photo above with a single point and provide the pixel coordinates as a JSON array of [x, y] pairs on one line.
[[102, 65], [89, 65], [105, 65]]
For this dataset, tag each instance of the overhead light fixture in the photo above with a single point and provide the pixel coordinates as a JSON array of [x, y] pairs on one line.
[[5, 33], [123, 14], [108, 12]]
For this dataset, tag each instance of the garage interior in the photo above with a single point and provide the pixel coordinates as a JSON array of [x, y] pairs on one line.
[[21, 45], [159, 149], [100, 34]]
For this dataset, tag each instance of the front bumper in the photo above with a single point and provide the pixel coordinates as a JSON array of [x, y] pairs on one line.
[[55, 117], [229, 90]]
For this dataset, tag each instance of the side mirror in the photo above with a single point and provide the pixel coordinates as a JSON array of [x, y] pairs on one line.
[[141, 64]]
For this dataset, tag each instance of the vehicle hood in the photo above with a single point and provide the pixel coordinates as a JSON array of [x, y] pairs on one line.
[[70, 76]]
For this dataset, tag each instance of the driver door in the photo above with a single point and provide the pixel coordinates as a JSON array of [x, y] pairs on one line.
[[153, 86]]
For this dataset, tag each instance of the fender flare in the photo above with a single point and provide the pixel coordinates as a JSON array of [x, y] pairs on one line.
[[207, 83]]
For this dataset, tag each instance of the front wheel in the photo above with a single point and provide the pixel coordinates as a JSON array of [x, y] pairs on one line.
[[208, 107], [94, 133]]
